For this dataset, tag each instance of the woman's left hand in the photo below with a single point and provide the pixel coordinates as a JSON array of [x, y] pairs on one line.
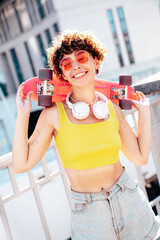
[[140, 101]]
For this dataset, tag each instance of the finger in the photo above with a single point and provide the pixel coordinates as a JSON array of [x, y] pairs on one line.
[[142, 96], [20, 89], [29, 95], [137, 96]]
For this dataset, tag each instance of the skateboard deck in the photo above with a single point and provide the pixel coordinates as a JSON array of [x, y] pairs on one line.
[[58, 89]]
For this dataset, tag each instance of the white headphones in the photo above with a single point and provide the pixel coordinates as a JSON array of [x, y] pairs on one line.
[[80, 110]]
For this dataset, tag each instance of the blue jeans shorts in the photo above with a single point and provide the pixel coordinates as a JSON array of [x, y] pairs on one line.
[[121, 212]]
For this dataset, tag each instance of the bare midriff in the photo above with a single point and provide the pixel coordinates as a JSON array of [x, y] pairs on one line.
[[94, 179]]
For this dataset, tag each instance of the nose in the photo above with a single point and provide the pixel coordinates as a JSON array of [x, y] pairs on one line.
[[75, 65]]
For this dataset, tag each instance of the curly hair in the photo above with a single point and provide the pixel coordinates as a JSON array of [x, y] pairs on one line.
[[68, 42]]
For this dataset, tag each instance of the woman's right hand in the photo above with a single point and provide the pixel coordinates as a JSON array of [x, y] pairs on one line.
[[23, 102]]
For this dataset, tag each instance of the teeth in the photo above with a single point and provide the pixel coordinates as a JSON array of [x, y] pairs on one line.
[[79, 75]]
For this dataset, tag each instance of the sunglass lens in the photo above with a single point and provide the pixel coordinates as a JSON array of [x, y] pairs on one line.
[[82, 57], [66, 64]]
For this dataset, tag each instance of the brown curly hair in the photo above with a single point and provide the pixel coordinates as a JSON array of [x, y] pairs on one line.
[[68, 42]]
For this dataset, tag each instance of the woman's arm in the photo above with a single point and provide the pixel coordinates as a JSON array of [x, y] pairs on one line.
[[136, 147], [27, 153]]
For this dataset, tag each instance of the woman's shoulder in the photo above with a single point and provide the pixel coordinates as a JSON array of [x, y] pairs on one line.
[[50, 110], [118, 112], [50, 115]]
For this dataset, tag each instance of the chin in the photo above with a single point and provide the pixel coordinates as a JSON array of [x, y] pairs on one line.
[[82, 82]]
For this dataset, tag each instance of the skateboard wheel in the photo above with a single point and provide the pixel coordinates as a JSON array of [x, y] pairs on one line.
[[125, 104], [45, 74], [45, 100], [125, 80]]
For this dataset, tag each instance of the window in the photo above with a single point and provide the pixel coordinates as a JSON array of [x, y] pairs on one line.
[[29, 57], [2, 28], [17, 16], [49, 6], [5, 145], [11, 87], [48, 35], [56, 28], [42, 50], [3, 34], [40, 9], [5, 26], [2, 80], [14, 19], [125, 33], [16, 64], [10, 18], [31, 11], [3, 84], [115, 37], [1, 39], [22, 15]]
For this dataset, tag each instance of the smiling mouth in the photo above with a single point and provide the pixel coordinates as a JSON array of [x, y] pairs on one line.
[[79, 75]]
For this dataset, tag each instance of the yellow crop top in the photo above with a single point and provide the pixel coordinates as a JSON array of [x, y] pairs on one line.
[[85, 146]]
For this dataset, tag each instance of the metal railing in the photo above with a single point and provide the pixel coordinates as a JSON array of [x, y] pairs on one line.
[[6, 163], [154, 103]]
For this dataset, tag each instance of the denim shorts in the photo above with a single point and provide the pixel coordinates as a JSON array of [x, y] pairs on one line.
[[121, 212]]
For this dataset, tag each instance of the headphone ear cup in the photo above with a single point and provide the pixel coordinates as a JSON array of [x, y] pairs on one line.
[[100, 110], [80, 110]]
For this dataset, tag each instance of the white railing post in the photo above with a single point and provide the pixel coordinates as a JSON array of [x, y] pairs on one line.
[[64, 178], [5, 221], [39, 205]]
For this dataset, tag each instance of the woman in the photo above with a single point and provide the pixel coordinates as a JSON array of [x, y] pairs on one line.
[[89, 131]]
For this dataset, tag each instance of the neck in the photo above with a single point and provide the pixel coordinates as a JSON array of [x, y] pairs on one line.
[[87, 94]]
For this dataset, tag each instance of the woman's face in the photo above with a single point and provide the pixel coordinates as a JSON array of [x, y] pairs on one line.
[[79, 68]]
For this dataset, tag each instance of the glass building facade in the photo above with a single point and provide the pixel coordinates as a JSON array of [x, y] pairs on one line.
[[40, 9], [42, 50], [19, 18], [115, 36], [17, 65], [56, 28], [125, 34], [48, 36], [30, 58], [21, 15]]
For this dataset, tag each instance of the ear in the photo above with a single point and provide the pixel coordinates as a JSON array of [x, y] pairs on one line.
[[97, 64], [63, 76]]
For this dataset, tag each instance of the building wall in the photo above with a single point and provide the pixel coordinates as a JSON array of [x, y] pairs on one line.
[[142, 20], [18, 34], [16, 40]]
